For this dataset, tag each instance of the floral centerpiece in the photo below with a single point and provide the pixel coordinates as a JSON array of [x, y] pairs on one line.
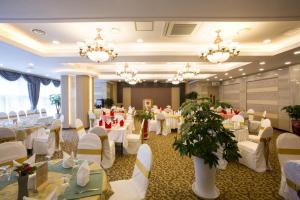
[[24, 171], [202, 136], [144, 115]]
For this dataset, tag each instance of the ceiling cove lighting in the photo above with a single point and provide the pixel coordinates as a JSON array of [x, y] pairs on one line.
[[97, 50], [220, 51]]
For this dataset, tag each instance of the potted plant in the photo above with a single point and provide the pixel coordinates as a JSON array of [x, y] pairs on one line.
[[202, 135], [191, 95], [294, 113], [55, 99], [23, 171], [108, 102], [144, 115]]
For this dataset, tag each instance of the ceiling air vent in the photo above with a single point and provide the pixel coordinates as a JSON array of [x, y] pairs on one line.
[[179, 29]]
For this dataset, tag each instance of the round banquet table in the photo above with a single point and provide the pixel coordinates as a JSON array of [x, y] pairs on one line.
[[56, 176]]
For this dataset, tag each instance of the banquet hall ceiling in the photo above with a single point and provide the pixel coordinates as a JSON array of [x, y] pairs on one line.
[[162, 51]]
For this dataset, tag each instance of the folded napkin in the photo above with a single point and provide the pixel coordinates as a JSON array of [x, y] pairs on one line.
[[68, 160], [29, 161], [83, 174]]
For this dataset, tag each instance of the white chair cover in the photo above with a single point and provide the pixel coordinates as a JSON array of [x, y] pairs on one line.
[[108, 147], [3, 118], [250, 114], [10, 151], [13, 117], [44, 143], [264, 123], [29, 139], [89, 148], [292, 171], [161, 120], [79, 128], [253, 153], [288, 148], [264, 114], [30, 113], [133, 141], [22, 115], [43, 112], [136, 187], [7, 134], [92, 119], [37, 114]]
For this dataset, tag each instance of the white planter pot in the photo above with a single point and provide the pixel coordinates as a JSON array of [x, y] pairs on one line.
[[205, 184]]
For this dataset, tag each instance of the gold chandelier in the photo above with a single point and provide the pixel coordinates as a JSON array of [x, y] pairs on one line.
[[97, 50], [220, 51]]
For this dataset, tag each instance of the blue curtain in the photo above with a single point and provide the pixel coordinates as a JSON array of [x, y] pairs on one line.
[[10, 76], [33, 84]]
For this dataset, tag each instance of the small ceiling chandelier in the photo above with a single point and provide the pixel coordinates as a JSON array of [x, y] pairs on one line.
[[127, 72], [220, 51], [133, 80], [97, 50], [176, 79], [189, 72]]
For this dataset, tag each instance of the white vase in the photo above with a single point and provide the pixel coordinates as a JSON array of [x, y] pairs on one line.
[[205, 183]]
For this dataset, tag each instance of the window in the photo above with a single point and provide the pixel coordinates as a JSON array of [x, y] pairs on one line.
[[13, 95], [44, 102]]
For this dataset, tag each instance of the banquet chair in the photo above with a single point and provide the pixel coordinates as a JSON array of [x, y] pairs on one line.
[[255, 155], [49, 141], [13, 116], [3, 117], [292, 171], [92, 119], [136, 187], [30, 113], [43, 112], [22, 115], [250, 114], [89, 148], [37, 113], [7, 134], [263, 124], [10, 151], [133, 141], [163, 127], [79, 128], [288, 148], [108, 147]]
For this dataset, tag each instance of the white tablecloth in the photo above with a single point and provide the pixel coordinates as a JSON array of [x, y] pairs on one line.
[[173, 122]]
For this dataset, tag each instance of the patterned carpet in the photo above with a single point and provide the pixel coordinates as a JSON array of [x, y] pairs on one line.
[[172, 175]]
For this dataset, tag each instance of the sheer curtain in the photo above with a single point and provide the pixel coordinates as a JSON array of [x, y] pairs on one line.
[[14, 95], [44, 102]]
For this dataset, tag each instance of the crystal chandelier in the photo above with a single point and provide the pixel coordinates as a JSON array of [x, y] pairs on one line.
[[97, 50], [220, 51], [176, 79], [133, 80], [189, 72], [127, 72]]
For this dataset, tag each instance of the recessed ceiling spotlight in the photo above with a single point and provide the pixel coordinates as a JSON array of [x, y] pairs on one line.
[[262, 63], [215, 77], [38, 31], [275, 74], [241, 69], [243, 74], [297, 52], [287, 62], [221, 79], [267, 41], [279, 69], [31, 64], [155, 81], [139, 40], [55, 42], [230, 77], [261, 69], [207, 79], [226, 74], [298, 83]]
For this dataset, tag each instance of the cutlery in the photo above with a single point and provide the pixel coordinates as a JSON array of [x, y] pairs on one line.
[[88, 190]]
